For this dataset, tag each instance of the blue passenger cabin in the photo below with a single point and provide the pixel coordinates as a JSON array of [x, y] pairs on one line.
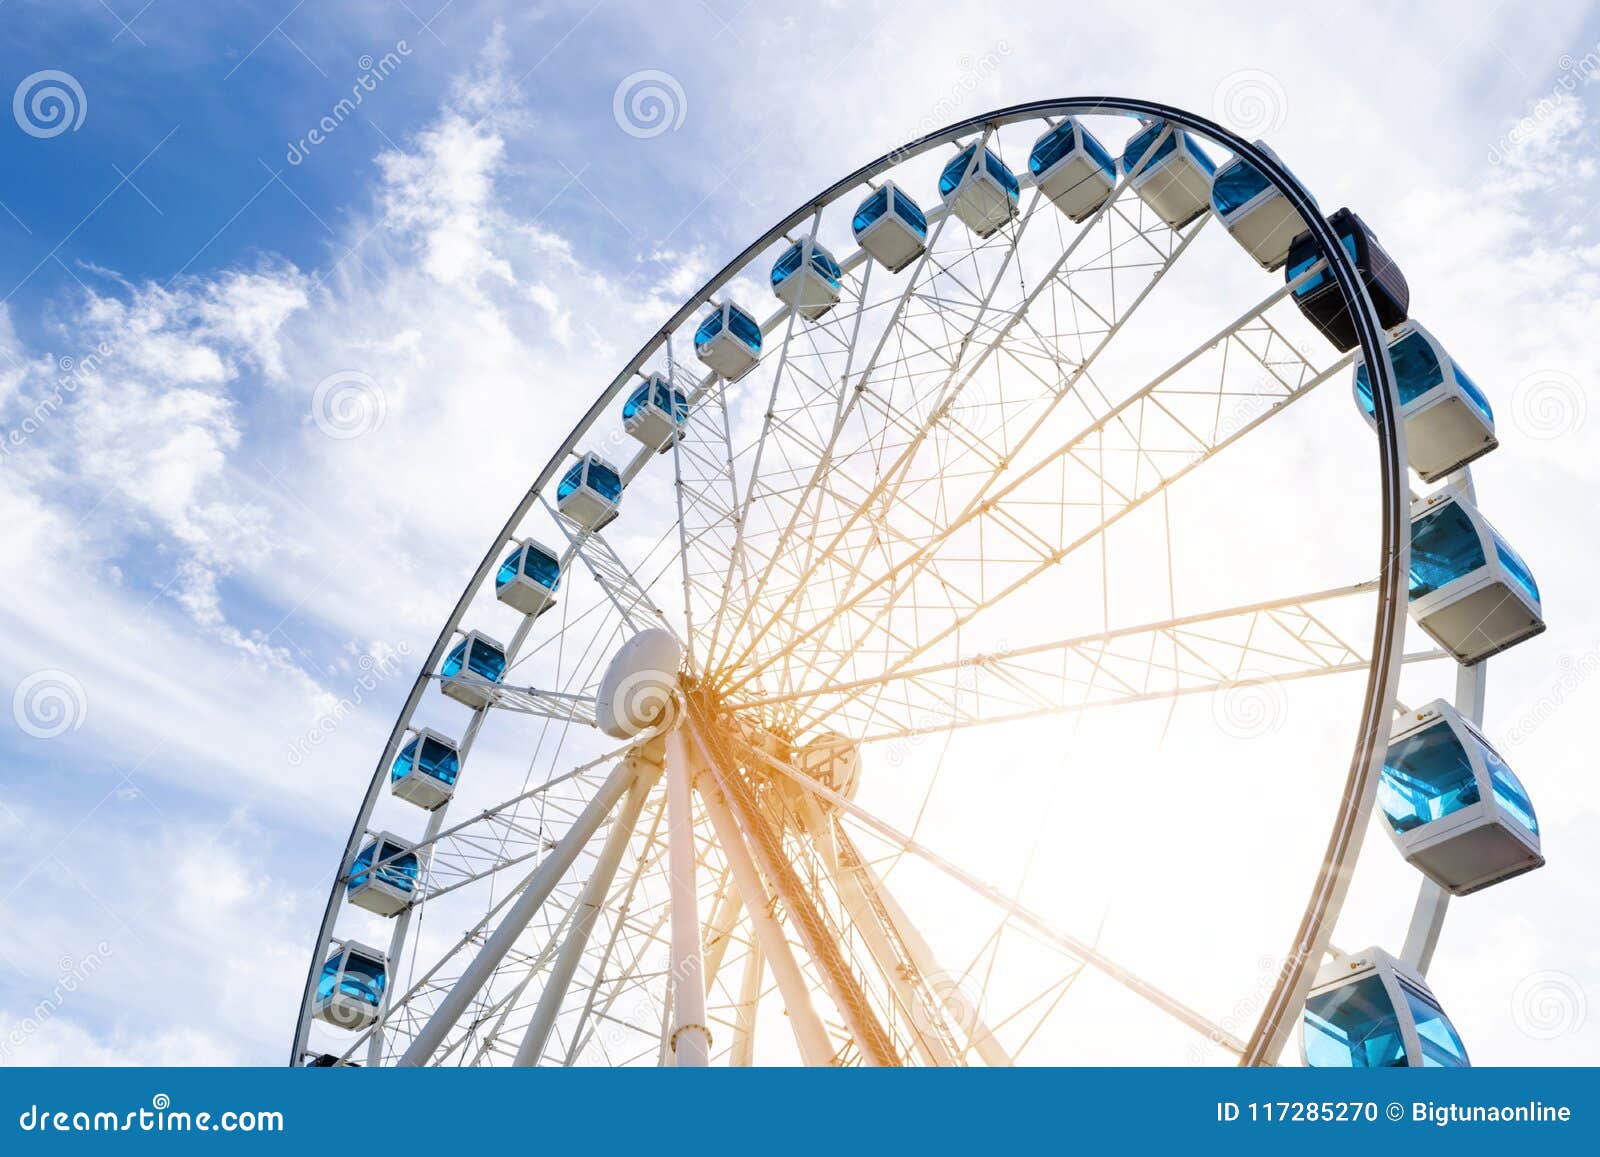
[[1318, 296], [1447, 418], [350, 989], [1455, 810], [1254, 211], [590, 493], [1369, 1011], [385, 875], [809, 287], [891, 227], [425, 769], [473, 670], [1470, 591], [529, 578], [1170, 172], [729, 341], [655, 413], [982, 192], [1073, 169]]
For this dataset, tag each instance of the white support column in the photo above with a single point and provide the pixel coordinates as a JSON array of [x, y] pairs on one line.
[[815, 1046], [858, 906], [981, 1038], [590, 902], [691, 1039], [535, 890], [744, 1022]]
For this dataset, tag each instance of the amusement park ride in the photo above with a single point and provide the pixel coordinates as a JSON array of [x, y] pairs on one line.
[[910, 436]]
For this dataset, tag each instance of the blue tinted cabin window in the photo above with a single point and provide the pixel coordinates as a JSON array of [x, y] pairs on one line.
[[1098, 154], [509, 569], [1425, 777], [786, 265], [542, 568], [997, 169], [1051, 147], [1416, 370], [1508, 789], [906, 209], [570, 481], [604, 481], [1236, 186], [672, 402], [439, 760], [452, 661], [956, 170], [358, 870], [363, 979], [1299, 267], [744, 327], [822, 261], [1512, 561], [487, 661], [330, 975], [1135, 149], [1354, 1026], [399, 870], [405, 761], [1441, 1047], [709, 328], [636, 401], [871, 209], [1444, 547], [1474, 395]]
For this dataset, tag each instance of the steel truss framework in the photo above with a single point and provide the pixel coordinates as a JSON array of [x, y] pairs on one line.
[[935, 448]]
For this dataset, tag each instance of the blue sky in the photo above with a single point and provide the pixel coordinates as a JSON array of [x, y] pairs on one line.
[[485, 239]]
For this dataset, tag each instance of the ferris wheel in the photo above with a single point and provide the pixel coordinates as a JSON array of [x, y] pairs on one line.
[[874, 675]]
